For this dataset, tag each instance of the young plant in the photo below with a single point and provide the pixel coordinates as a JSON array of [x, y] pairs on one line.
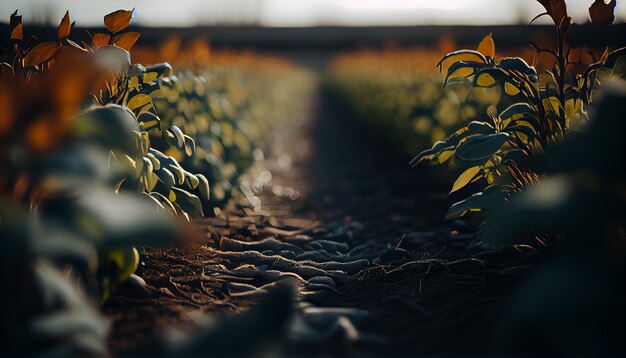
[[499, 152]]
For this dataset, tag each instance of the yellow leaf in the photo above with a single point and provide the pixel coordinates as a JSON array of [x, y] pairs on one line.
[[133, 83], [445, 64], [485, 80], [118, 20], [126, 40], [465, 178], [463, 72], [552, 104], [40, 53], [150, 76], [444, 156], [172, 196], [510, 89], [573, 106], [138, 101], [65, 26], [487, 47]]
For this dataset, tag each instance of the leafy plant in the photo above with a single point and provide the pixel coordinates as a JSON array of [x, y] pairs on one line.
[[63, 158], [543, 108]]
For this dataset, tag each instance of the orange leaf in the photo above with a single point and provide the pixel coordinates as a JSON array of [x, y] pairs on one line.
[[601, 12], [126, 40], [41, 53], [100, 39], [118, 20], [556, 9], [65, 26], [487, 47], [18, 32]]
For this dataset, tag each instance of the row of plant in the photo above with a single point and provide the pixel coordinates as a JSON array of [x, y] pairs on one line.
[[397, 94], [488, 116], [99, 156], [543, 166], [537, 111]]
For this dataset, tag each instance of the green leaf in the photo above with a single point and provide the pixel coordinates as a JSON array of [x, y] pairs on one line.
[[490, 77], [518, 110], [149, 121], [111, 126], [461, 55], [461, 70], [166, 177], [465, 178], [440, 147], [481, 147], [203, 187], [492, 195], [188, 202], [161, 69], [190, 146], [178, 135], [518, 64]]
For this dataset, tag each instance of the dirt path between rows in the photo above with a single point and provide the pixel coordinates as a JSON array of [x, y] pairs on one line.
[[377, 269]]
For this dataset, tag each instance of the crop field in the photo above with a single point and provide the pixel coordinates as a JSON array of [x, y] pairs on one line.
[[162, 195]]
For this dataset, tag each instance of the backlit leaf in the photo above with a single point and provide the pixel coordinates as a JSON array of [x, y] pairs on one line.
[[487, 47], [100, 39], [41, 53], [481, 147], [510, 89], [139, 101], [126, 40], [188, 202], [118, 20], [178, 135], [65, 26], [17, 29], [492, 195], [17, 33], [465, 178], [462, 55], [485, 80]]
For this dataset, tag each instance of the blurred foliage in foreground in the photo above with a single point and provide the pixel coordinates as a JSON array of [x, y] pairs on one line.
[[90, 170]]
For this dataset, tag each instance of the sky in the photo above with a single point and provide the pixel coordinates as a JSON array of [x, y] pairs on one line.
[[296, 13]]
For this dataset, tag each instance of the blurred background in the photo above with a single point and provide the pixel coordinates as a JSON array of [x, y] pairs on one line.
[[304, 13]]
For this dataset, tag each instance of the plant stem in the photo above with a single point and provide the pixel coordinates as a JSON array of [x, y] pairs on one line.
[[561, 64]]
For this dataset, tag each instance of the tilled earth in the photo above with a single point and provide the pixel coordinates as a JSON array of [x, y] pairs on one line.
[[377, 270]]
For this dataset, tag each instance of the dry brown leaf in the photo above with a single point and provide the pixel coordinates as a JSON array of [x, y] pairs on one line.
[[556, 9], [602, 13], [65, 26], [118, 20]]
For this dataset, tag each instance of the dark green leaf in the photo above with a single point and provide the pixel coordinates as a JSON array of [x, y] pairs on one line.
[[481, 147]]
